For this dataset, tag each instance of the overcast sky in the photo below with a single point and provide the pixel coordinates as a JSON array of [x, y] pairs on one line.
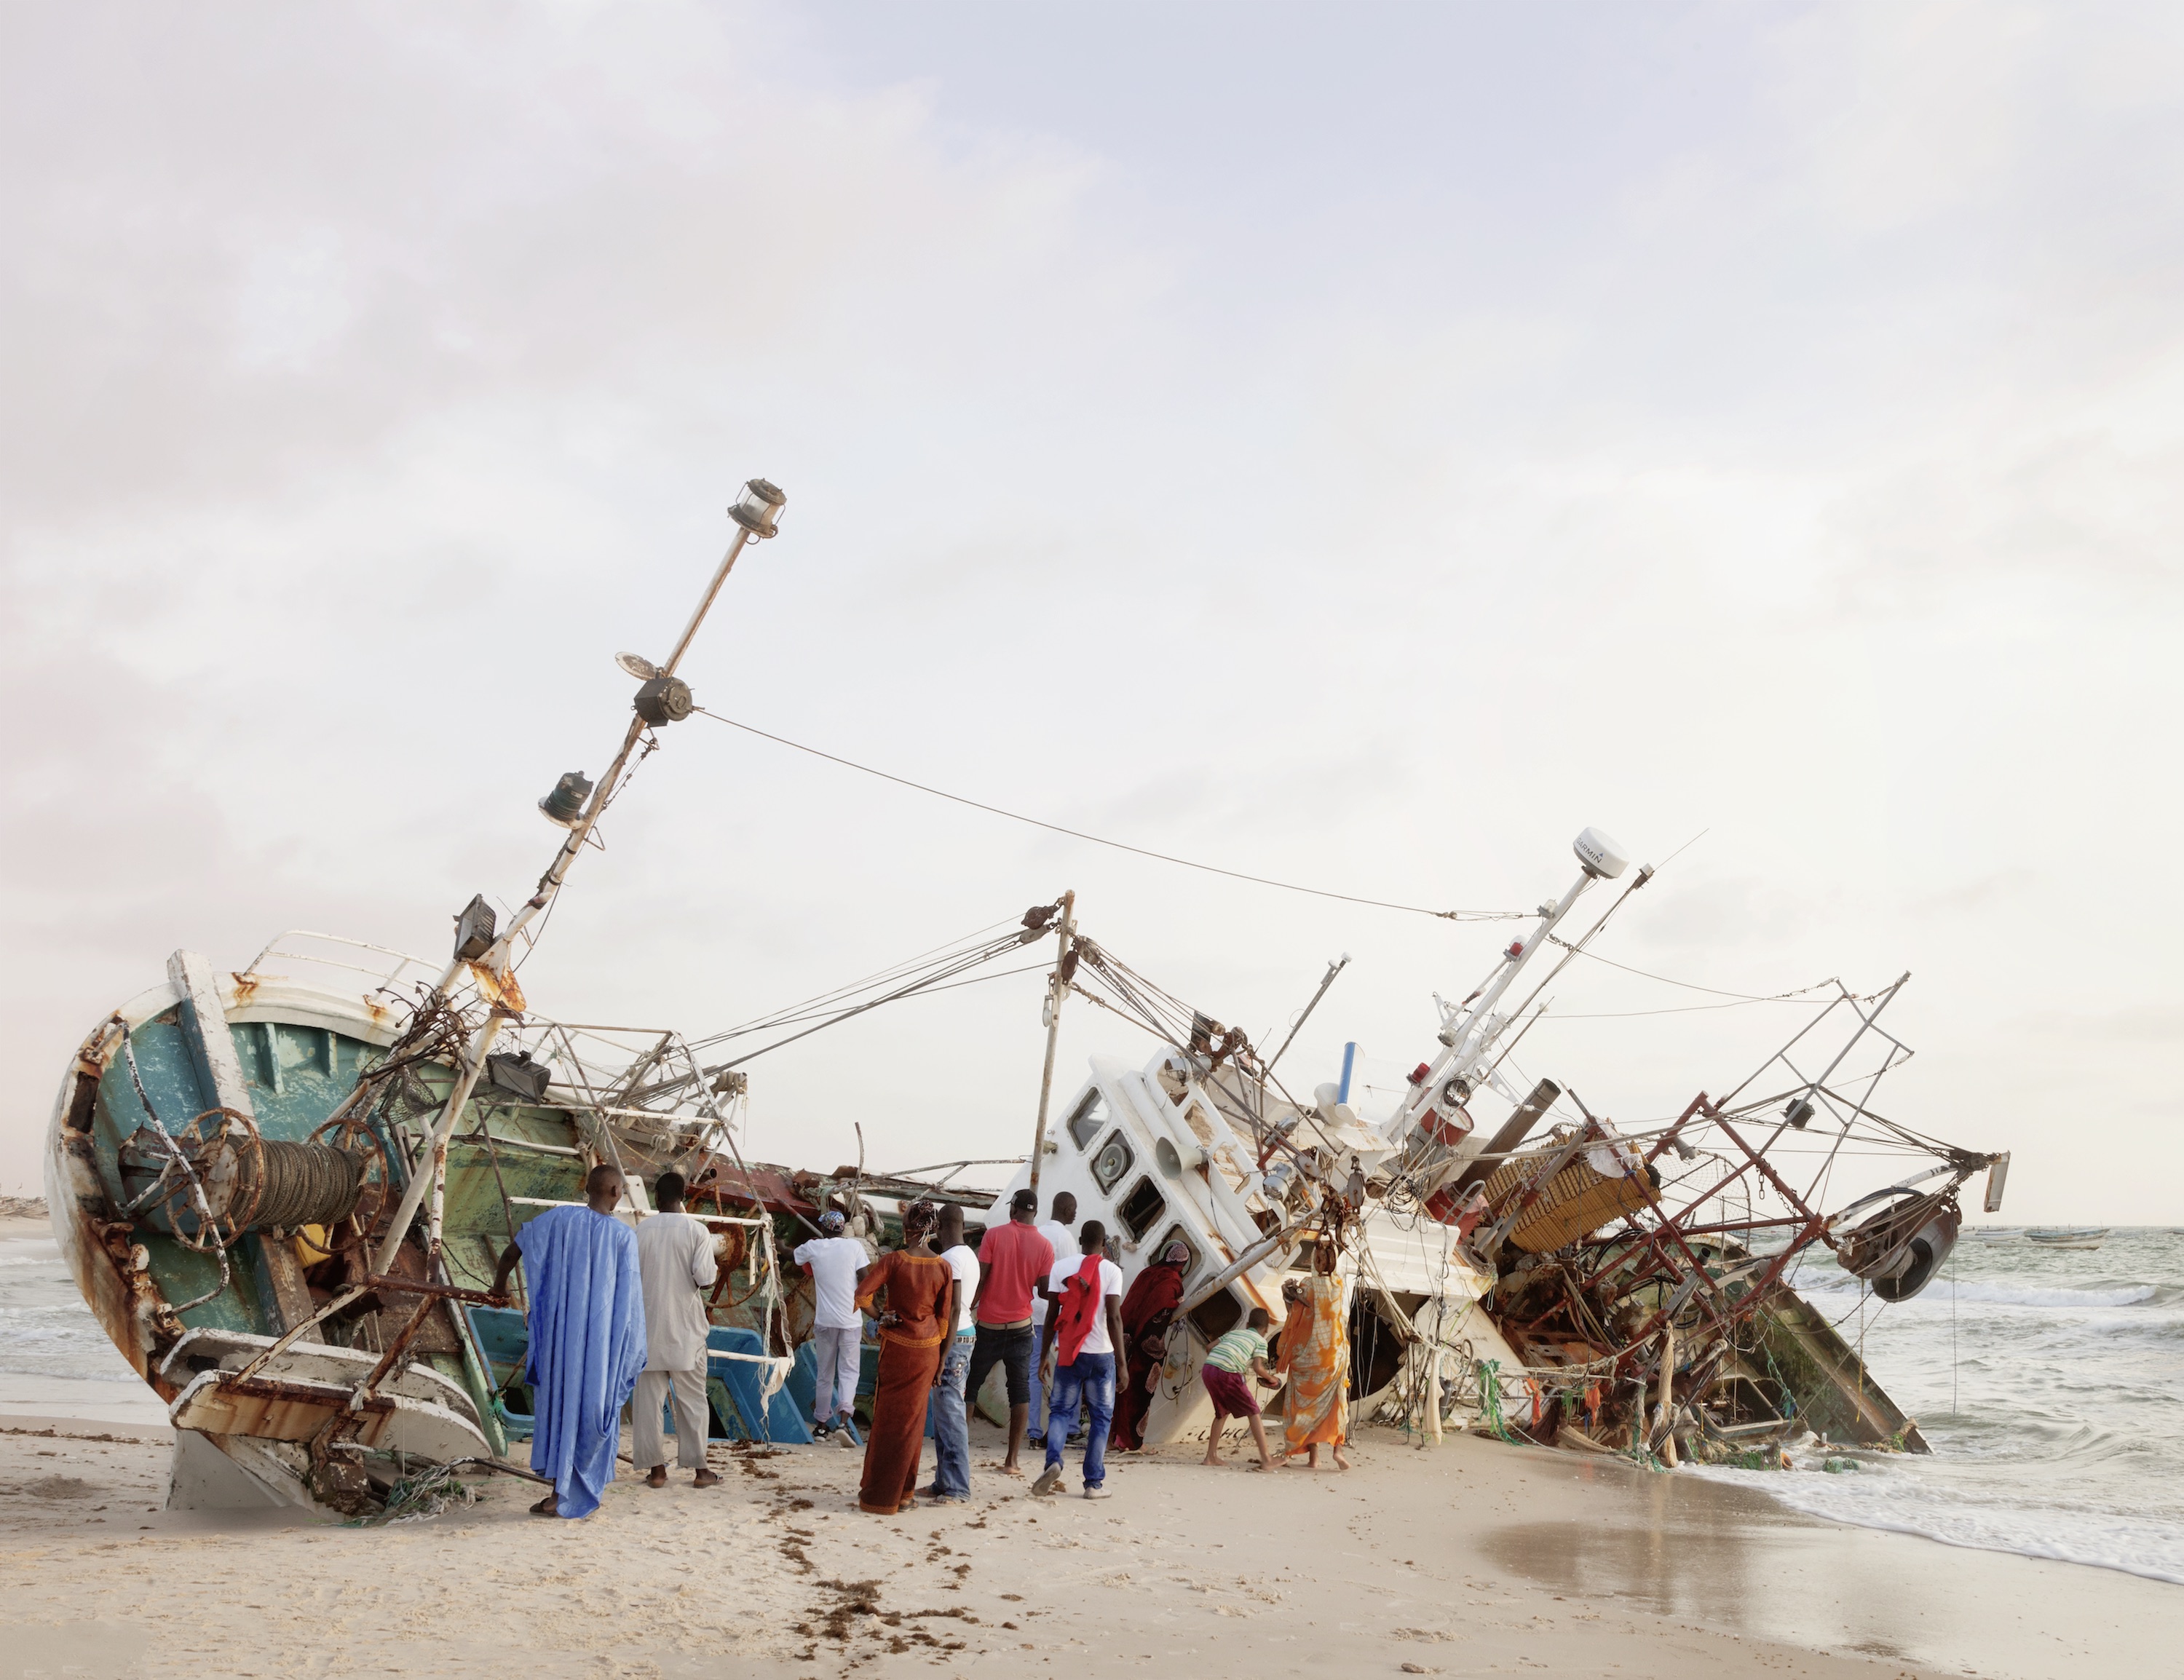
[[1358, 445]]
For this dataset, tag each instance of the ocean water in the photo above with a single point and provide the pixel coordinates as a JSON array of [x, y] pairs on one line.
[[2049, 1383], [54, 1360]]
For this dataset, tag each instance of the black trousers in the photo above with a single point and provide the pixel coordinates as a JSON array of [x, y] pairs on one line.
[[1014, 1349]]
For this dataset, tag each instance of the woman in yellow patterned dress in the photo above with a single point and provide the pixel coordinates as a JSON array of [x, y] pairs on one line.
[[1316, 1356]]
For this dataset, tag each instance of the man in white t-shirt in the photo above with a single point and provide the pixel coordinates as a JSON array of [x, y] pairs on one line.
[[837, 1328], [1077, 1357], [1059, 1228], [952, 1421]]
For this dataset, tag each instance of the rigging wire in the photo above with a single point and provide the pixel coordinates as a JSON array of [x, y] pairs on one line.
[[1118, 845], [874, 978], [921, 990], [946, 970], [1684, 1009], [933, 956], [1716, 991]]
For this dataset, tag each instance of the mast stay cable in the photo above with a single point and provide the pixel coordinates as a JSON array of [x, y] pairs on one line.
[[1118, 845]]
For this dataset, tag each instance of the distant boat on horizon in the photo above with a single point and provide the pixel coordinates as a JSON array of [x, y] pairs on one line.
[[2069, 1236]]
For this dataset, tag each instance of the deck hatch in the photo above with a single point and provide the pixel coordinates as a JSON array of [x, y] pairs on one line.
[[1142, 1209], [1218, 1314]]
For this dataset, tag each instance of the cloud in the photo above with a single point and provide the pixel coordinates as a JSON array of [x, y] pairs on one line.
[[1765, 424]]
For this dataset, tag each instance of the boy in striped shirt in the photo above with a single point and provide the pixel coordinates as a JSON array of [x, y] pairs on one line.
[[1241, 1352]]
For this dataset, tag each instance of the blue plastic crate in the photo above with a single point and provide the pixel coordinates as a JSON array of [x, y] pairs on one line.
[[504, 1338]]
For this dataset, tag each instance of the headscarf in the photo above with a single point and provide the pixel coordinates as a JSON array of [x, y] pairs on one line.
[[833, 1221], [918, 1220], [1155, 1290]]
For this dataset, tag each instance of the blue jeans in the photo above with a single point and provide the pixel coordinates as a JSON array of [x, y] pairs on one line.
[[1089, 1379], [951, 1423]]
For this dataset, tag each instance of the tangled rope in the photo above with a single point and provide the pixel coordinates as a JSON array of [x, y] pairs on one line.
[[416, 1497]]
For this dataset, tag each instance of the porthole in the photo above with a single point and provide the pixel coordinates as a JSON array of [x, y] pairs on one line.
[[1115, 1159]]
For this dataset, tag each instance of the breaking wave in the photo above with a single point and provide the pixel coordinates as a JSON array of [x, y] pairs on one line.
[[2008, 1294], [2047, 1384]]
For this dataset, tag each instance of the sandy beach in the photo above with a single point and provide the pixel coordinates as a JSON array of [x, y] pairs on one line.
[[1470, 1558]]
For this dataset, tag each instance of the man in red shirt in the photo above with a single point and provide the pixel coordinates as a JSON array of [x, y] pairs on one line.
[[1013, 1261]]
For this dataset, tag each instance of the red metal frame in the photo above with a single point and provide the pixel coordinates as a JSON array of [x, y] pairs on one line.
[[1651, 1253]]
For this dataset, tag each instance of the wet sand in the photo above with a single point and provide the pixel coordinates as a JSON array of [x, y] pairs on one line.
[[1468, 1559], [1689, 1548]]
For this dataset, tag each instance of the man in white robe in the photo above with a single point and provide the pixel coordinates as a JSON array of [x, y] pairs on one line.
[[674, 1260]]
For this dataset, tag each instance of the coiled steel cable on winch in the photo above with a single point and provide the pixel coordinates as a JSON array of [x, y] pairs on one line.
[[301, 1184]]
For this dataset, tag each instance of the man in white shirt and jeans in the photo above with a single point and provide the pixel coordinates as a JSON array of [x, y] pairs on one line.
[[1059, 1228], [1084, 1330], [952, 1421], [837, 1328], [674, 1261]]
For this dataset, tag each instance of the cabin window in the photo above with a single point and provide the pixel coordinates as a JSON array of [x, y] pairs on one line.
[[1084, 1123], [1113, 1160], [1141, 1207], [1218, 1314], [1174, 1234]]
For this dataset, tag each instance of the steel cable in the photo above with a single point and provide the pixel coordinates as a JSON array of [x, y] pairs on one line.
[[1118, 845]]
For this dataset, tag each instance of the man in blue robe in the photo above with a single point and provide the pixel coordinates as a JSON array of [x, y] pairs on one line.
[[586, 1316]]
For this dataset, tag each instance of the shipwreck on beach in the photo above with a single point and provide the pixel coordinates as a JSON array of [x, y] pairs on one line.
[[283, 1191]]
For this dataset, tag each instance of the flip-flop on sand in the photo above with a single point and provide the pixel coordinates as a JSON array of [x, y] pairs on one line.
[[1005, 1469]]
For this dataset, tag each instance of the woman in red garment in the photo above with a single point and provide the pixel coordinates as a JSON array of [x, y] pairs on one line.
[[1147, 1312], [920, 1311]]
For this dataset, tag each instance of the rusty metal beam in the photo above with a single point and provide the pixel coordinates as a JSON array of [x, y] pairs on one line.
[[300, 1394], [418, 1286], [1698, 1104]]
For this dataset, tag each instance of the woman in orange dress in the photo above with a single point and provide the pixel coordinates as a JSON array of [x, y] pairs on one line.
[[921, 1308], [1316, 1357]]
